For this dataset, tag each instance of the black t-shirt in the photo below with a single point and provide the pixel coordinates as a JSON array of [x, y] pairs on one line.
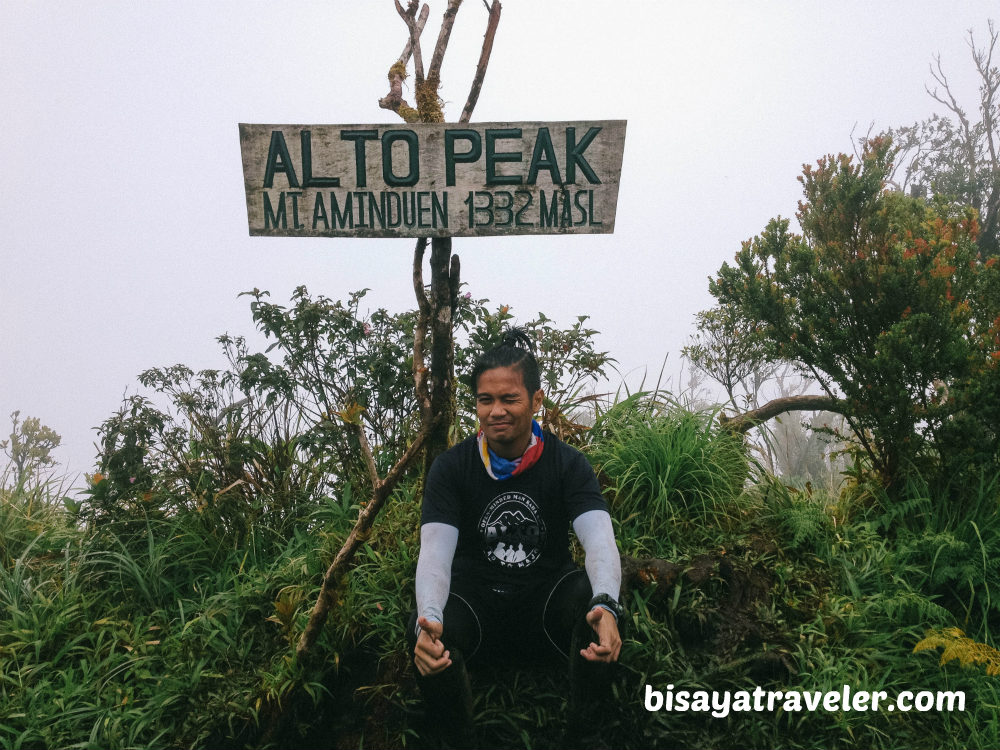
[[514, 531]]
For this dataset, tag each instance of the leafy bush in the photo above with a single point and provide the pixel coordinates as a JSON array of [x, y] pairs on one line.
[[885, 301], [259, 444], [113, 644]]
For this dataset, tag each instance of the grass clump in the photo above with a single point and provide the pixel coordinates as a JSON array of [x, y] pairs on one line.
[[672, 472]]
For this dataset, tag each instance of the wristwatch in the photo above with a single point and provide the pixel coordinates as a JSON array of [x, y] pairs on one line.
[[608, 603]]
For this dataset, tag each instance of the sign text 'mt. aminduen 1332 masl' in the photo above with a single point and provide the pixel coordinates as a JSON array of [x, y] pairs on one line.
[[432, 180]]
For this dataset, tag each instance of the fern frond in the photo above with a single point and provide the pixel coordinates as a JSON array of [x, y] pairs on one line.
[[958, 646]]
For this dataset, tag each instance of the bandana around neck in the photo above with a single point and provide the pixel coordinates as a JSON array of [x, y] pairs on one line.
[[500, 468]]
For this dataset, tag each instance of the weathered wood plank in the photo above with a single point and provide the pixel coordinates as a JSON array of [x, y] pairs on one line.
[[432, 180]]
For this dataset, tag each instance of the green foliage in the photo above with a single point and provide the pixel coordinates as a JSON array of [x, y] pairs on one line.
[[568, 360], [803, 520], [820, 598], [32, 520], [111, 644], [236, 463], [338, 367], [947, 541], [255, 446], [31, 499], [673, 472], [882, 300], [171, 618]]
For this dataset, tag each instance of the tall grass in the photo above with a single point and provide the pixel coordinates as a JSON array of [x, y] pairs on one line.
[[33, 515], [163, 638], [157, 632], [673, 472]]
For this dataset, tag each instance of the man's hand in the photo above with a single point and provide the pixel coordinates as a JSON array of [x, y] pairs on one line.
[[610, 643], [429, 654]]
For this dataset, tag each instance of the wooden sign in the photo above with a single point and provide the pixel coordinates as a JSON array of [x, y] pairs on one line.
[[432, 180]]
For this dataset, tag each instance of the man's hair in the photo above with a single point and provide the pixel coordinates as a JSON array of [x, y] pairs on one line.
[[516, 349]]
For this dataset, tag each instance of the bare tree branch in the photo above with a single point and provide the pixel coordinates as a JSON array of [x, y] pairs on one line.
[[989, 90], [441, 366], [454, 277], [434, 71], [484, 61], [948, 100], [397, 72], [747, 420], [404, 56], [357, 537], [366, 452], [409, 17], [989, 75], [426, 91]]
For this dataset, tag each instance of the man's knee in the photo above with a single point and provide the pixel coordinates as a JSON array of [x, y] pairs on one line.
[[571, 594]]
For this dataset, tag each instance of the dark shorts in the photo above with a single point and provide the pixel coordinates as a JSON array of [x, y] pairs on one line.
[[525, 623]]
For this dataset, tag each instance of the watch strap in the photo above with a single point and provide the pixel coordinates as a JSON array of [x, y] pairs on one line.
[[607, 602]]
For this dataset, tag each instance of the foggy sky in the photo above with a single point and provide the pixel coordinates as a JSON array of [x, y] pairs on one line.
[[125, 243]]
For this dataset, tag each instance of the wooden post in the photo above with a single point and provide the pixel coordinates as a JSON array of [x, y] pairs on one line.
[[435, 314], [445, 269]]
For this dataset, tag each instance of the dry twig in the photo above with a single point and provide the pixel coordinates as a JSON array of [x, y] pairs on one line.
[[484, 60]]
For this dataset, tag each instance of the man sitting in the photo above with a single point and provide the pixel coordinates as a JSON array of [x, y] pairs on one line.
[[495, 578]]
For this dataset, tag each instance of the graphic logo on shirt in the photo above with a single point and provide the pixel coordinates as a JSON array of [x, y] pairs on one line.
[[512, 530]]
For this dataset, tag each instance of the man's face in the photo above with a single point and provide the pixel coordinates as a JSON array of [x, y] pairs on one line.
[[505, 409]]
